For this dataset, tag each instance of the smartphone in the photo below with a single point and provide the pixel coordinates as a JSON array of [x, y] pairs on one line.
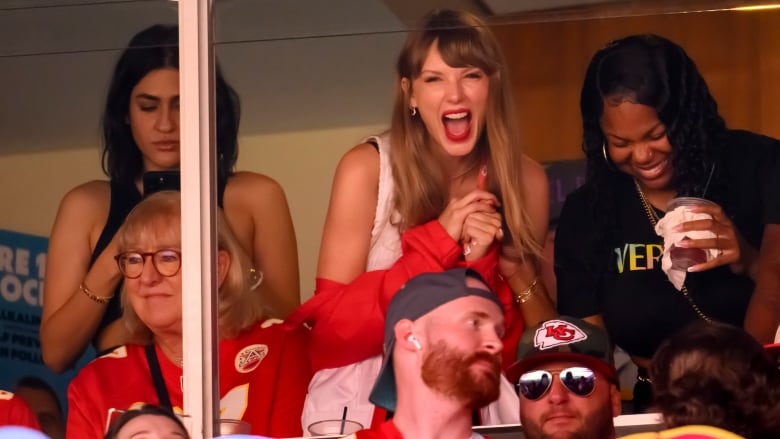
[[155, 181]]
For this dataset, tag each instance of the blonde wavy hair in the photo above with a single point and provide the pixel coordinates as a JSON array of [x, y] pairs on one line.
[[421, 188], [159, 216]]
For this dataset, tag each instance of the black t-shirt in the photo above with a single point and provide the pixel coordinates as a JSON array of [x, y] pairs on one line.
[[624, 282]]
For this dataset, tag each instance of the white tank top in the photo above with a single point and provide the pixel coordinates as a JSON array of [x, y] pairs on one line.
[[385, 247]]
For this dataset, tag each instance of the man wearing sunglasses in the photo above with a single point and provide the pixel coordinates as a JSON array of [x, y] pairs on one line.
[[443, 345], [566, 379]]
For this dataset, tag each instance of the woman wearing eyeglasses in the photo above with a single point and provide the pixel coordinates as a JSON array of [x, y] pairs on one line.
[[263, 368]]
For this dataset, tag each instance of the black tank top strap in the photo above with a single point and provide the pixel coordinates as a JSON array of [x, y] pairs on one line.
[[123, 198]]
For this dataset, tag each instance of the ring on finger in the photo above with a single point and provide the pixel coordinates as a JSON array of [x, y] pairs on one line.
[[717, 244]]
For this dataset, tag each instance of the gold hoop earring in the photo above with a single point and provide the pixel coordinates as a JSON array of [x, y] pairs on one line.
[[414, 111], [610, 166]]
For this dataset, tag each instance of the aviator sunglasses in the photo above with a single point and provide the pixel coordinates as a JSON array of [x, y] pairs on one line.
[[578, 380]]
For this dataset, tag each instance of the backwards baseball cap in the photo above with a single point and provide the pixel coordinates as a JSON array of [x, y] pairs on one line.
[[564, 339], [419, 296]]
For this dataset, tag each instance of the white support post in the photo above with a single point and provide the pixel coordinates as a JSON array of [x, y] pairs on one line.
[[198, 212]]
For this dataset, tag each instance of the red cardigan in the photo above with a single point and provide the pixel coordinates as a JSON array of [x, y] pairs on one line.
[[347, 320]]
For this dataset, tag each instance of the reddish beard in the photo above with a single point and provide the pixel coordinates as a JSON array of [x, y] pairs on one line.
[[450, 373]]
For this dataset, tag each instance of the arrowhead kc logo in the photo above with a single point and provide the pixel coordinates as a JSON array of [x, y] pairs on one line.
[[557, 333]]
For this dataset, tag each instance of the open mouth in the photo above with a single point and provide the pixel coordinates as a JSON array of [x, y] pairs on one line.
[[457, 125]]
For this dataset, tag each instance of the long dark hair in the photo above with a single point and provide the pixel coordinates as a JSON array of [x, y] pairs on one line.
[[717, 374], [146, 409], [153, 48], [653, 71]]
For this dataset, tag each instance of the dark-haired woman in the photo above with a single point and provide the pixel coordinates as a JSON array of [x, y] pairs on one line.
[[652, 132], [141, 134]]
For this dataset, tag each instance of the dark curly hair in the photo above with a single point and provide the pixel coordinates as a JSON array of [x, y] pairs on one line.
[[153, 48], [653, 71], [717, 374]]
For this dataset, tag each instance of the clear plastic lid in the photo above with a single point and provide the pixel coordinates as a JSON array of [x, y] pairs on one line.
[[687, 201]]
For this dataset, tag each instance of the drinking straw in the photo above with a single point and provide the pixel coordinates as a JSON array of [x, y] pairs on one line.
[[343, 420]]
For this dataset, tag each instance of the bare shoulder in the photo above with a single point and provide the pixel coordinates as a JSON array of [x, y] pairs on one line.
[[535, 185], [252, 185], [353, 199], [83, 211], [361, 163], [533, 172], [87, 200], [536, 192], [356, 183]]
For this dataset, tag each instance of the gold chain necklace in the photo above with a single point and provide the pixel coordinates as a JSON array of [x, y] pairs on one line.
[[653, 217]]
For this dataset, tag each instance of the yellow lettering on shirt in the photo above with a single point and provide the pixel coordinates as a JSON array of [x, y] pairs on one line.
[[638, 257]]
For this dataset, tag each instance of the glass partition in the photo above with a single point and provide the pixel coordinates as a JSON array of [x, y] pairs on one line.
[[314, 79], [56, 62], [317, 77]]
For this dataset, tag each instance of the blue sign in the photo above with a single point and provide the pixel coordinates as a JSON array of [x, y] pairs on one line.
[[22, 266]]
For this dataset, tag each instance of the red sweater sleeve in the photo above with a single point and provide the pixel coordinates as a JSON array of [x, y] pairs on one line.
[[347, 320]]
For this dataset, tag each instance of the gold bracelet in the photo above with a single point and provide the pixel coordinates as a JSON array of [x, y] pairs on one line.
[[526, 294], [99, 299]]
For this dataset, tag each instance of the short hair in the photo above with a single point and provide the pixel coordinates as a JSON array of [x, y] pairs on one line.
[[159, 214], [153, 48], [146, 409], [36, 383], [717, 374]]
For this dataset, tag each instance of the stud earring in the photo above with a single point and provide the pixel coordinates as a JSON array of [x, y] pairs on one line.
[[414, 111]]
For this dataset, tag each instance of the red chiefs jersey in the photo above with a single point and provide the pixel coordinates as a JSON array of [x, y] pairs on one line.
[[385, 430], [263, 378], [388, 430], [14, 411]]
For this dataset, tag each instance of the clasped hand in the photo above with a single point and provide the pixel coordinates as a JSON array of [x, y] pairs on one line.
[[474, 221]]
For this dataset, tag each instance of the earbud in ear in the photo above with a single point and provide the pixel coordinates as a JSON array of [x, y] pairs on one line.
[[413, 340]]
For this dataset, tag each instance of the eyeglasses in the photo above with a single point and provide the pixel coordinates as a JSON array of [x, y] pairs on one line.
[[166, 261], [578, 380]]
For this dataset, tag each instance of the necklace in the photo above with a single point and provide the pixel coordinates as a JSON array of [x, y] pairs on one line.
[[653, 217]]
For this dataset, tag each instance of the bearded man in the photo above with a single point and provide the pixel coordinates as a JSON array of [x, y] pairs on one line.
[[442, 357]]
